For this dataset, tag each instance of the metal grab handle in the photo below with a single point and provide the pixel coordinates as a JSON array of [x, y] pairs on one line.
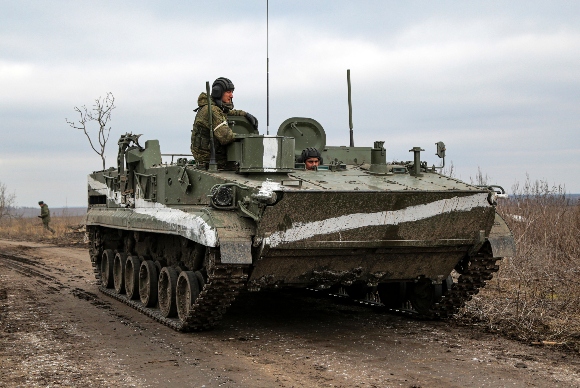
[[491, 187], [293, 126]]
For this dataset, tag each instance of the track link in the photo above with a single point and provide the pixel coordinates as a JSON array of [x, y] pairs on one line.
[[480, 270]]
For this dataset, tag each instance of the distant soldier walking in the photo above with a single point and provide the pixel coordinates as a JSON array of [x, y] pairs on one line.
[[45, 215]]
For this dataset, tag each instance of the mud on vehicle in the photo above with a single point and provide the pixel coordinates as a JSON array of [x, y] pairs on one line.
[[179, 240]]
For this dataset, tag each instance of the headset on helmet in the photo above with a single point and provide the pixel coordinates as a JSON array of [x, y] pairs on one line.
[[308, 153], [220, 86]]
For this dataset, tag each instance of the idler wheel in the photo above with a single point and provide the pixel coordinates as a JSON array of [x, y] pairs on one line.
[[107, 268], [119, 272], [166, 291], [148, 283], [132, 277], [187, 293]]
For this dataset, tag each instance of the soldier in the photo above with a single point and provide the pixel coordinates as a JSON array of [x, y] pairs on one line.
[[222, 94], [311, 158], [45, 216]]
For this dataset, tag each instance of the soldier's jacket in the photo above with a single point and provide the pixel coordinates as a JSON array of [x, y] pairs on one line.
[[45, 213], [223, 134]]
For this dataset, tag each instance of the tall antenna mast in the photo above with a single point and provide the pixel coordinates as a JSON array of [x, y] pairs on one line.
[[349, 109], [267, 76]]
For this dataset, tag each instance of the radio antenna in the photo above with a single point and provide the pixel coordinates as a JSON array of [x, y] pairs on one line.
[[212, 164], [267, 76], [349, 109]]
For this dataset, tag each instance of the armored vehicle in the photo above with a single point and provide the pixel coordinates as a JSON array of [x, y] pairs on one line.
[[179, 240]]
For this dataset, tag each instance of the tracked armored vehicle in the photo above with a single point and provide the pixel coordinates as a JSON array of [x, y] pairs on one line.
[[178, 240]]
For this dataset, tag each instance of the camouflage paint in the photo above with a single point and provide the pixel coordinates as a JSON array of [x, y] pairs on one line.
[[300, 230], [270, 157], [97, 186]]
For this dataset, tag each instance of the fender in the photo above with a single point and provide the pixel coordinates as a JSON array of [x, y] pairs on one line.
[[235, 236], [501, 238], [194, 226]]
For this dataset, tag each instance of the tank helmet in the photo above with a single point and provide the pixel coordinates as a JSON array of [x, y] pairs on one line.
[[41, 202], [310, 152], [220, 86]]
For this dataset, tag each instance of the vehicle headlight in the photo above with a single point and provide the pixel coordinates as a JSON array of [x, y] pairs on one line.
[[222, 196]]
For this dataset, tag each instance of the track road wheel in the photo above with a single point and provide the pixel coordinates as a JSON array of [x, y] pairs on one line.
[[148, 283], [200, 280], [119, 272], [107, 268], [358, 291], [132, 277], [393, 295], [166, 291], [188, 288], [423, 296]]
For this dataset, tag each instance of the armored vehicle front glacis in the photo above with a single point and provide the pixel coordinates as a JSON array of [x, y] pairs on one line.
[[179, 241]]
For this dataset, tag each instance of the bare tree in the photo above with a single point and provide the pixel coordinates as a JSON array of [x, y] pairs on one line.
[[480, 179], [6, 202], [101, 114]]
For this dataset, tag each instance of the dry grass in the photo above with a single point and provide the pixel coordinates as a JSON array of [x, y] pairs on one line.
[[69, 230], [535, 296]]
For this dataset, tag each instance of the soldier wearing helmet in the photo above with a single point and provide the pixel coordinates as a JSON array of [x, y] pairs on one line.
[[311, 158], [222, 94]]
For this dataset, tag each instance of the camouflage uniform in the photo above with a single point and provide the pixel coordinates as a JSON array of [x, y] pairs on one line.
[[45, 215], [223, 134]]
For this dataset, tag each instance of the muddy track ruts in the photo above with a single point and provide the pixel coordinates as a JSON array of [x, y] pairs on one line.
[[26, 267]]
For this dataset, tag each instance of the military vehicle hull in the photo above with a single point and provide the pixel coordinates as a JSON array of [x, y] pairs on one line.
[[179, 242]]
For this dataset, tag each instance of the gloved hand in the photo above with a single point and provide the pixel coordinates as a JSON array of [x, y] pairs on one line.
[[252, 120]]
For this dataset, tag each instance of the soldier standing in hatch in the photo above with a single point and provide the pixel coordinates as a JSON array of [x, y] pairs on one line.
[[45, 215], [222, 94]]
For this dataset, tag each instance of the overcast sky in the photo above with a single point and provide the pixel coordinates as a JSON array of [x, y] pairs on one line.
[[498, 82]]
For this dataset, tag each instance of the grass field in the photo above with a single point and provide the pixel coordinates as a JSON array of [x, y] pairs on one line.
[[535, 296], [69, 230]]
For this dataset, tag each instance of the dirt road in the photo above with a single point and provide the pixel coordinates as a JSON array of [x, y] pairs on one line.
[[56, 329]]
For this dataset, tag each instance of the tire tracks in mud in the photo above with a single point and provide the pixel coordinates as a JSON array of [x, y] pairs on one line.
[[25, 266], [40, 344], [32, 268]]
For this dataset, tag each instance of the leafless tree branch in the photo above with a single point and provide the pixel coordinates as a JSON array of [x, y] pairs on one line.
[[6, 202], [101, 114]]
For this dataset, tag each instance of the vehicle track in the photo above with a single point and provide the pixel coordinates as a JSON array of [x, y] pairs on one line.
[[223, 285]]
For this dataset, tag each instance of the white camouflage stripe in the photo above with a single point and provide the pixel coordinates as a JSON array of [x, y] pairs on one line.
[[97, 186], [304, 230]]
